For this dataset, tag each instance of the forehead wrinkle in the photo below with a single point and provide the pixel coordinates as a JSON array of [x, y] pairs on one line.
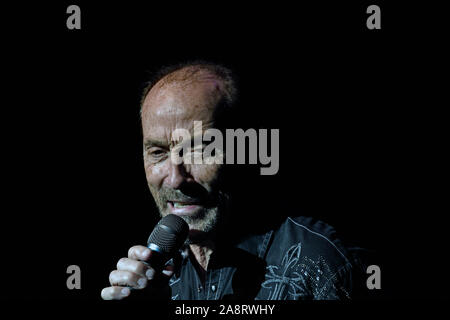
[[170, 101], [173, 106], [185, 78]]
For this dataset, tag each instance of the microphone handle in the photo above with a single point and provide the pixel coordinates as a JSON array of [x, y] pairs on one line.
[[158, 258]]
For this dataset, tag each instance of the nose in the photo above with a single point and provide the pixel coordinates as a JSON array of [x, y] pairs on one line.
[[176, 176]]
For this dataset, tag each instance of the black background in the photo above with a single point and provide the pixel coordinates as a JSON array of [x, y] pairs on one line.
[[360, 113]]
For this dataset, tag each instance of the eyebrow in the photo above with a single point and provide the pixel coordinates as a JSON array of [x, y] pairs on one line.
[[155, 143], [163, 144]]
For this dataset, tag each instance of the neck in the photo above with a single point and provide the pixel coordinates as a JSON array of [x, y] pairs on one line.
[[202, 253]]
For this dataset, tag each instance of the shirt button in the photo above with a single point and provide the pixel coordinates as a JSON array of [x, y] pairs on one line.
[[199, 288], [213, 288]]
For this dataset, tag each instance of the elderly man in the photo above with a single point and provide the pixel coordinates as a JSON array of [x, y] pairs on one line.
[[298, 258]]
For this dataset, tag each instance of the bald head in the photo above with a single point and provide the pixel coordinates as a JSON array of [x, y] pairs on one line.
[[196, 73], [184, 75]]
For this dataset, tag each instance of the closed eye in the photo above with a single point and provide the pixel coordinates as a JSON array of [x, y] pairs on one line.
[[155, 154]]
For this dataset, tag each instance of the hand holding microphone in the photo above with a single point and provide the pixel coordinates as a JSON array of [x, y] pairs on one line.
[[144, 264]]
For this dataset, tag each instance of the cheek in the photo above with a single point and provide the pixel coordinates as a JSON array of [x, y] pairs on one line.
[[206, 174], [155, 174]]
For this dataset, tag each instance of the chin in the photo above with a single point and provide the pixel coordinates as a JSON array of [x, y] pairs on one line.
[[197, 236]]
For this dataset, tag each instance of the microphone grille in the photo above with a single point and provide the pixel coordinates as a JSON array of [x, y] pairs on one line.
[[169, 234]]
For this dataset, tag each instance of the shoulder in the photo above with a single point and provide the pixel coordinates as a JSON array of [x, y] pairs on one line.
[[312, 245], [316, 238], [309, 250]]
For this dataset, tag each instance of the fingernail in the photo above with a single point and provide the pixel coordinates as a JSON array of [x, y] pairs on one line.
[[150, 273], [125, 291], [141, 282], [167, 272]]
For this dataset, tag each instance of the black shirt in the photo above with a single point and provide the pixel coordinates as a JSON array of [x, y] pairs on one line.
[[301, 259]]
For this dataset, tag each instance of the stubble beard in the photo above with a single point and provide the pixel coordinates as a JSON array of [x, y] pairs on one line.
[[204, 224]]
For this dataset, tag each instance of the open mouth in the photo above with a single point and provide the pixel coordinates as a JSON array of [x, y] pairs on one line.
[[182, 204], [183, 207]]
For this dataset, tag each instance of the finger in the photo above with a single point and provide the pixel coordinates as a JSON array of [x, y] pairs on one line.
[[165, 275], [168, 271], [139, 253], [115, 293], [140, 268], [127, 279]]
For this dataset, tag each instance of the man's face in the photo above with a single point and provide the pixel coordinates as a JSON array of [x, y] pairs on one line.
[[190, 191]]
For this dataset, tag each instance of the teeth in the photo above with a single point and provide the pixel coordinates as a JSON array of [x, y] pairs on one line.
[[179, 205]]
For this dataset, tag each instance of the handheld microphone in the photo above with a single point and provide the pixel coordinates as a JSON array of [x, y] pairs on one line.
[[166, 239]]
